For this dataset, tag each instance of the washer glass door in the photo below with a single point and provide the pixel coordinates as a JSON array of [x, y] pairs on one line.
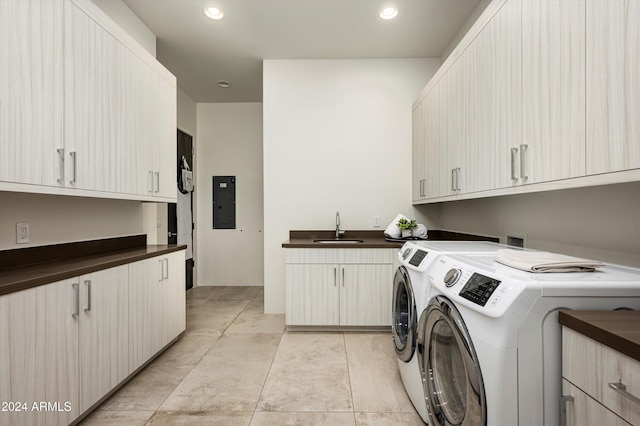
[[404, 315], [451, 373]]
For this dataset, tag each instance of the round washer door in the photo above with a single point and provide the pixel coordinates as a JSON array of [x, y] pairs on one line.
[[450, 370], [404, 321]]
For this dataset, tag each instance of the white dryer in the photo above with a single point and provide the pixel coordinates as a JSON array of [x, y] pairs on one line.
[[410, 297], [489, 343]]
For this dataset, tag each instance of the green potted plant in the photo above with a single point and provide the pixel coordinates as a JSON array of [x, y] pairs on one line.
[[406, 226]]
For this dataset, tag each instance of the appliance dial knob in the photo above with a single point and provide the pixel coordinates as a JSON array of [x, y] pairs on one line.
[[406, 253], [452, 277]]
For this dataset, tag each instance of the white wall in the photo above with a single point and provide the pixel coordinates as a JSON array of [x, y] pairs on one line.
[[600, 222], [57, 219], [187, 114], [230, 144], [337, 136]]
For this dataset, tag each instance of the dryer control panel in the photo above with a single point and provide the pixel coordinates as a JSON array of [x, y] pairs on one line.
[[486, 291]]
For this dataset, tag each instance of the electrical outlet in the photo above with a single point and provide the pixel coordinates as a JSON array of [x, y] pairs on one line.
[[376, 221], [22, 233]]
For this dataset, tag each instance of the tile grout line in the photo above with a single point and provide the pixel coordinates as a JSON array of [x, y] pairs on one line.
[[346, 356], [255, 409]]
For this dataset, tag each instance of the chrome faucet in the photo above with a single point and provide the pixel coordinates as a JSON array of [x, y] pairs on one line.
[[338, 231]]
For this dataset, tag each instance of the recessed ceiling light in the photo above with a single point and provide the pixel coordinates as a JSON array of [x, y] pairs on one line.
[[389, 13], [214, 13], [224, 84]]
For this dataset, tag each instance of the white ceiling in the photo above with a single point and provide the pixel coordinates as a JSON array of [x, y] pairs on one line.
[[200, 51]]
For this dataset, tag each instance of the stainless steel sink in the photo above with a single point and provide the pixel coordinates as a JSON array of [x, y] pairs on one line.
[[334, 241]]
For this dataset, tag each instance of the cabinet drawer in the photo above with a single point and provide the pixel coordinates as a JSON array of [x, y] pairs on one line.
[[619, 368], [585, 410], [593, 367]]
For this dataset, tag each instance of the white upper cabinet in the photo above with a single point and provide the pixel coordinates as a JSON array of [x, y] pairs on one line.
[[31, 91], [613, 85], [85, 109], [498, 162], [553, 90], [93, 103], [417, 154], [538, 95]]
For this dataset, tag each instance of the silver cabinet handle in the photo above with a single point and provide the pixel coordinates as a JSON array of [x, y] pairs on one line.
[[161, 269], [514, 152], [453, 179], [523, 173], [564, 400], [335, 276], [76, 289], [343, 276], [166, 262], [458, 179], [60, 152], [73, 159], [157, 182], [622, 390], [150, 181], [87, 283]]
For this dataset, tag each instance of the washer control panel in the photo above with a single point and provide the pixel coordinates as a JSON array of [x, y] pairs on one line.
[[479, 288], [418, 257]]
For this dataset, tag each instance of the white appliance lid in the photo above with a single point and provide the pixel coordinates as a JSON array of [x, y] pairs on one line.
[[608, 281]]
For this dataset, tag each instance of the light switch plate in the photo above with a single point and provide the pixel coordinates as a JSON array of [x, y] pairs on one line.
[[22, 233], [376, 221]]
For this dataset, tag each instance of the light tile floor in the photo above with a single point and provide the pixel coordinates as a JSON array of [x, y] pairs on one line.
[[235, 365]]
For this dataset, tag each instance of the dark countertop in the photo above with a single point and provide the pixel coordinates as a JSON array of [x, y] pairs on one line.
[[48, 270], [370, 239], [620, 330]]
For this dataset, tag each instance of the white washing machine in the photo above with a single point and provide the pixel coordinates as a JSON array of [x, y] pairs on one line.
[[489, 344], [410, 297]]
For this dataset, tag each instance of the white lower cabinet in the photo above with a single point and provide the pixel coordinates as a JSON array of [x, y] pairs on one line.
[[39, 355], [65, 345], [104, 333], [590, 371], [339, 287], [156, 305]]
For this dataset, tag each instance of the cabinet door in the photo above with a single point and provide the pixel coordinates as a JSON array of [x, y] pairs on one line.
[[432, 140], [39, 353], [145, 310], [104, 333], [553, 89], [584, 410], [613, 87], [501, 100], [312, 294], [455, 112], [31, 91], [94, 102], [417, 152], [174, 297], [163, 130], [365, 295]]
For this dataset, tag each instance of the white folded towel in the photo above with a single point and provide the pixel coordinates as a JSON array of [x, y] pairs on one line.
[[420, 231], [541, 261], [393, 230]]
